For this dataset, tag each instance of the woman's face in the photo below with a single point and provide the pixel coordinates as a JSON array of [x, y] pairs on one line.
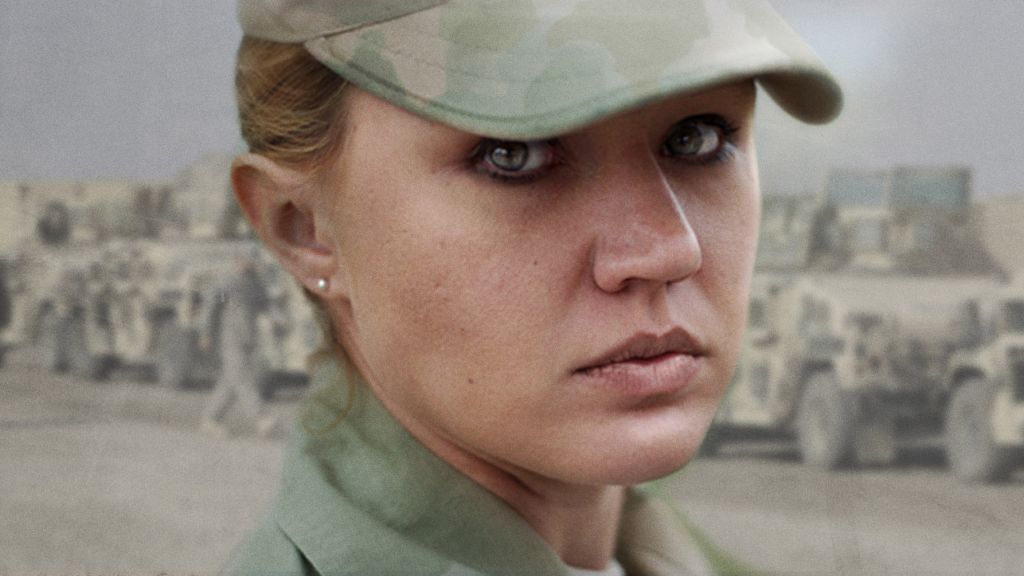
[[569, 309]]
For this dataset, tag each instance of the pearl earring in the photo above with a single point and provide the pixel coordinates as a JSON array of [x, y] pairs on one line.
[[321, 284]]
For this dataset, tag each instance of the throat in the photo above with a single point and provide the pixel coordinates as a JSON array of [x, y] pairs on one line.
[[579, 522], [583, 534]]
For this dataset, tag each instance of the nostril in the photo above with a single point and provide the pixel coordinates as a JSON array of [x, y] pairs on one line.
[[646, 255]]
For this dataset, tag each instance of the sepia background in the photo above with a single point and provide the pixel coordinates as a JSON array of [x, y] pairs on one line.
[[122, 113]]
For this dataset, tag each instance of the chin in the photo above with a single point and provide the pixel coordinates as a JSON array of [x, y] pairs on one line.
[[652, 469], [646, 451]]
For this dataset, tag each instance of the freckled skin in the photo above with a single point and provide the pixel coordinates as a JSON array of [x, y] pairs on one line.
[[469, 304]]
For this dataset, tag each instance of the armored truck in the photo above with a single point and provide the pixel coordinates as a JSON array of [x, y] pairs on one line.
[[985, 420], [196, 255], [108, 275], [193, 273], [72, 272], [842, 360], [849, 333]]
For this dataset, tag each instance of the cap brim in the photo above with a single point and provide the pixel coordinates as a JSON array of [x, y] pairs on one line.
[[549, 70]]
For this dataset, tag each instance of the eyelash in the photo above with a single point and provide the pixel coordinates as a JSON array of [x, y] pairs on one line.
[[729, 131], [725, 151], [477, 162]]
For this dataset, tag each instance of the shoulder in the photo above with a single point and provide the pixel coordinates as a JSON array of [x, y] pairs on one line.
[[267, 550]]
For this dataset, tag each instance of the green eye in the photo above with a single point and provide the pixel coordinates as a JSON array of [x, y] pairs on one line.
[[510, 156], [511, 159], [698, 139]]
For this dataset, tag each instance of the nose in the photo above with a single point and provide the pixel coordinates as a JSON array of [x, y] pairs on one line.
[[645, 237]]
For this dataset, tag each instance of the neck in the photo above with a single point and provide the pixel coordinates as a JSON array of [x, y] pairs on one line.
[[579, 522], [580, 525]]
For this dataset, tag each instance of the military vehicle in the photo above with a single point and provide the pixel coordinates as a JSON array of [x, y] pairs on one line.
[[114, 275], [193, 261], [985, 420], [74, 272], [95, 317], [848, 329], [194, 273]]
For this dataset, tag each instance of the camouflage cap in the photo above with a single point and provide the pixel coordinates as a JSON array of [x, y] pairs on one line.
[[527, 69]]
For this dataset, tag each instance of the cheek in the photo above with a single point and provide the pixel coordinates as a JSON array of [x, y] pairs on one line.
[[730, 238], [442, 289], [727, 224], [730, 219]]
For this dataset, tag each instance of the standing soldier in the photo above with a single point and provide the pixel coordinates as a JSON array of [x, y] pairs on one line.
[[231, 314], [5, 298], [6, 307]]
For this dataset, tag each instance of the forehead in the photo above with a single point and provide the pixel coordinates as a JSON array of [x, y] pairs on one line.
[[372, 116]]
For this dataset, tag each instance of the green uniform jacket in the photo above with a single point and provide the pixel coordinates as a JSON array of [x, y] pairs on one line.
[[359, 495]]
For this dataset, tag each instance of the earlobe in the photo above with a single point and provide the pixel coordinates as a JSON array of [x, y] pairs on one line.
[[280, 205]]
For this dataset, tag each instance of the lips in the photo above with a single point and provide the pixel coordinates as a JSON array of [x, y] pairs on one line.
[[647, 364]]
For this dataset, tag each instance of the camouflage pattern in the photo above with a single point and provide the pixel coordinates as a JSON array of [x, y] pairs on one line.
[[530, 69]]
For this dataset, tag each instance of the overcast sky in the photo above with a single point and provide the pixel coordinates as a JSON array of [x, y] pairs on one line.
[[140, 88]]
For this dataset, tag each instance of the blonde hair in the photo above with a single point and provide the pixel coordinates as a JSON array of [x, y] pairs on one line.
[[289, 104], [290, 110]]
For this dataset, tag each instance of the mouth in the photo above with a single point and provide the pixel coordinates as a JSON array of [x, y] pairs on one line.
[[647, 364]]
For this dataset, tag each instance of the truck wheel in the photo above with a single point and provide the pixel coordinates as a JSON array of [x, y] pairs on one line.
[[973, 454], [824, 423], [173, 356]]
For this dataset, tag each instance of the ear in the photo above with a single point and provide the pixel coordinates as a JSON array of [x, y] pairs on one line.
[[281, 206]]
